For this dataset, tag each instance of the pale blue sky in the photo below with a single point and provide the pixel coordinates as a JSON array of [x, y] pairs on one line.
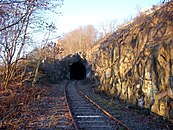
[[82, 12]]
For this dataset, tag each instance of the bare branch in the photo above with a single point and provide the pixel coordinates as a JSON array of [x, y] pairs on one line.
[[17, 22]]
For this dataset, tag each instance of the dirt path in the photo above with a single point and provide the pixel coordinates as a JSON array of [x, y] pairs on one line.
[[50, 110]]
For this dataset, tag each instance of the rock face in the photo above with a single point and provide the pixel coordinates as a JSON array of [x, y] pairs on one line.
[[136, 62], [60, 69]]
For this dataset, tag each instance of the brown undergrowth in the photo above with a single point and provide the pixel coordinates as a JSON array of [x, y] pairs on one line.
[[14, 103]]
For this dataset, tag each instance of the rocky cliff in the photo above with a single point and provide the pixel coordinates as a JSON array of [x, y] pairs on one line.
[[136, 62]]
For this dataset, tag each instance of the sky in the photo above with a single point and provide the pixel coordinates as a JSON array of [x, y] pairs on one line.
[[76, 13]]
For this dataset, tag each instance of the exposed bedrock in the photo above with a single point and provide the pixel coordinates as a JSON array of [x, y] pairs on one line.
[[136, 62]]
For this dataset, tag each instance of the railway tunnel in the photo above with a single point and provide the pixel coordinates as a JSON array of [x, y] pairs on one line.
[[77, 71]]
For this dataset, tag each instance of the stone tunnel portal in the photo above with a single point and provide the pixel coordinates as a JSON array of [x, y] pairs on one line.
[[77, 71]]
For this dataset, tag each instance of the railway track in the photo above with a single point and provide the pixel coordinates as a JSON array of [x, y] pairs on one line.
[[86, 114]]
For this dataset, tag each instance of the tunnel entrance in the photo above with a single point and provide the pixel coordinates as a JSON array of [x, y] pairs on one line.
[[77, 71]]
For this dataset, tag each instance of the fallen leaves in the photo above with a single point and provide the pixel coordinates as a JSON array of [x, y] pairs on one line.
[[13, 105], [34, 108]]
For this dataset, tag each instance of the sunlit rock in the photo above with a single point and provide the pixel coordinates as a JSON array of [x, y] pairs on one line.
[[136, 62]]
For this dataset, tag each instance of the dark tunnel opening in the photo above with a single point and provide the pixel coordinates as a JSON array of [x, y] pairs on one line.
[[77, 71]]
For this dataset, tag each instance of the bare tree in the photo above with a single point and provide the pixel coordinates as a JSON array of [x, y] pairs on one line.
[[79, 39], [16, 18], [108, 27]]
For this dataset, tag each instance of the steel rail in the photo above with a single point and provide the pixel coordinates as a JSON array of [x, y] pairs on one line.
[[66, 100], [100, 108]]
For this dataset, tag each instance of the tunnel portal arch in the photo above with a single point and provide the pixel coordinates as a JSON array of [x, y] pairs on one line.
[[77, 71]]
